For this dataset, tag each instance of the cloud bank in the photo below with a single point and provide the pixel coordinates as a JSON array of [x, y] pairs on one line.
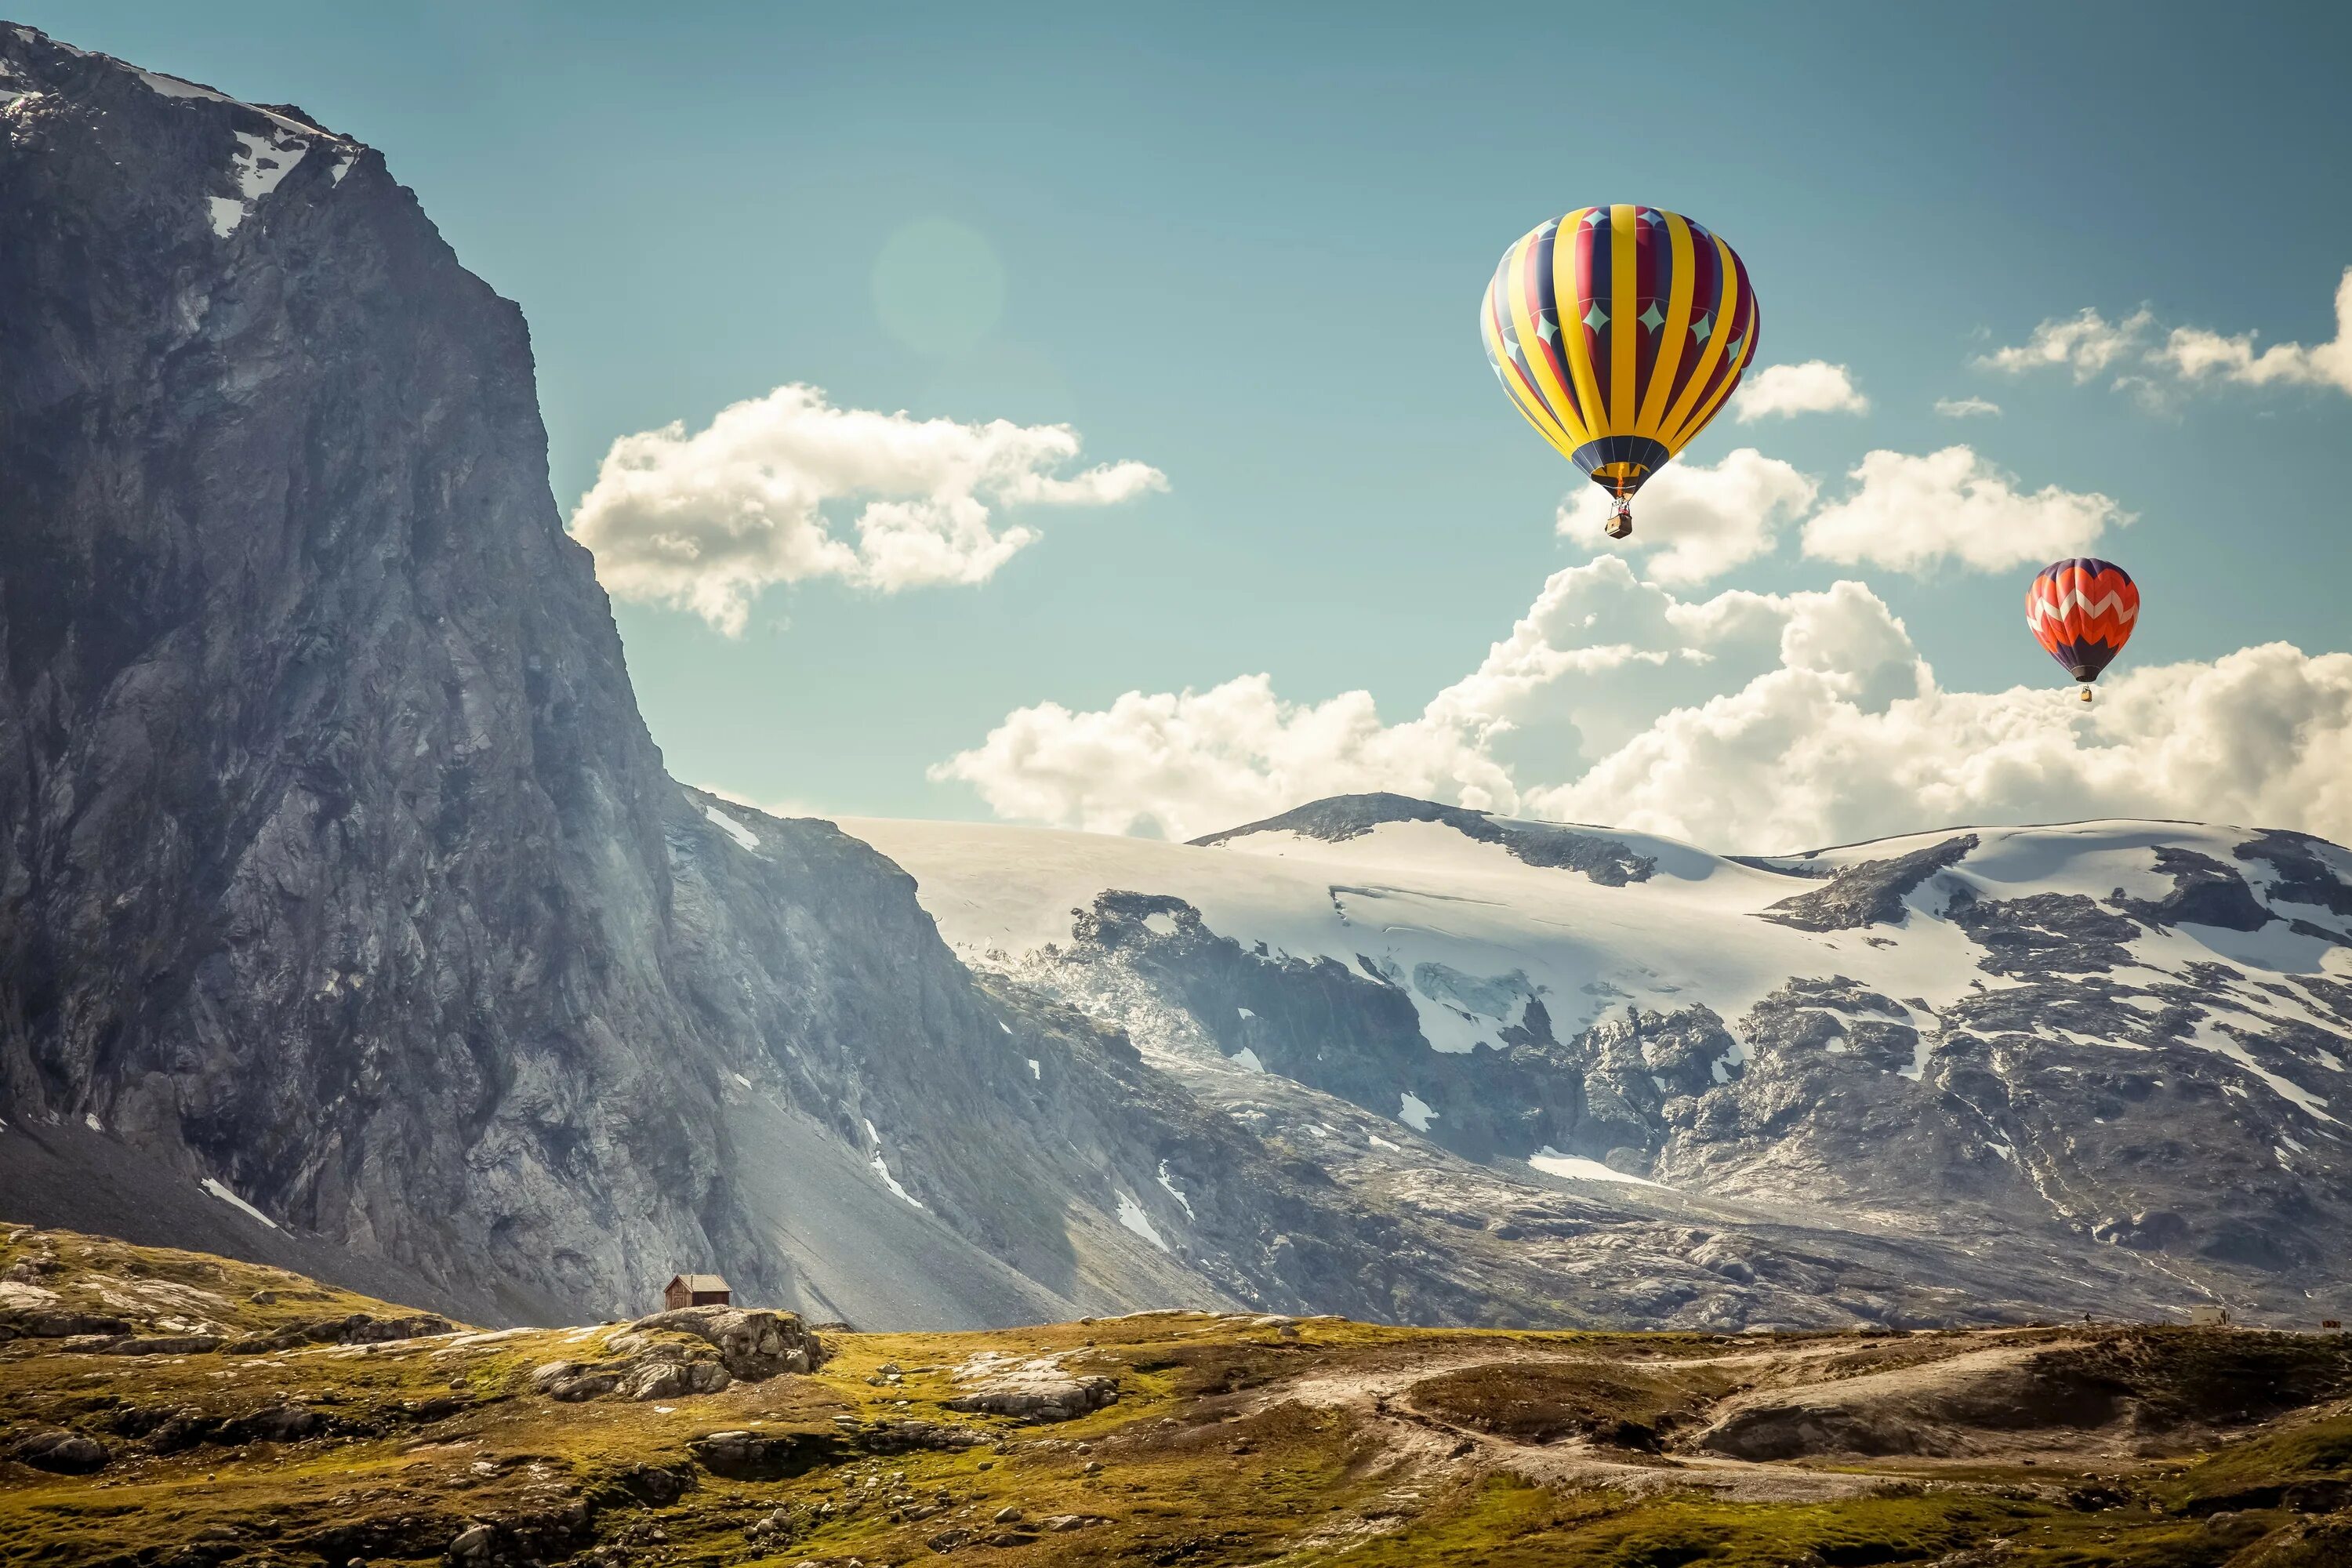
[[1913, 513], [2089, 346], [1742, 721], [1909, 513], [1699, 521], [706, 522]]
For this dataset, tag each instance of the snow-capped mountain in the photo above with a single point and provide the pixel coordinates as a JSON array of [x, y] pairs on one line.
[[2118, 1048]]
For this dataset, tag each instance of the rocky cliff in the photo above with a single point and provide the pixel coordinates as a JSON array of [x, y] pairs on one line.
[[347, 916]]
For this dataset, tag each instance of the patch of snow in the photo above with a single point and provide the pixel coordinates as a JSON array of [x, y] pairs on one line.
[[2005, 1150], [881, 1166], [1576, 1167], [230, 1198], [1413, 1112], [732, 828], [2210, 1036], [1246, 1057], [1035, 1071], [1836, 1048], [340, 167], [172, 87], [1246, 1012], [1380, 1143], [1920, 1050], [1166, 1182], [259, 163], [1159, 922], [1131, 1216], [739, 1078], [90, 1119]]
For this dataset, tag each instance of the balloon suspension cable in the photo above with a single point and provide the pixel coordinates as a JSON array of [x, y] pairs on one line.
[[1621, 518]]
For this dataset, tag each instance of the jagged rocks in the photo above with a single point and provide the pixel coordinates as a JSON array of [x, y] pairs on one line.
[[358, 1328], [655, 1363], [909, 1436], [64, 1325], [165, 1344], [752, 1344], [1039, 1390], [1871, 893], [64, 1453], [1608, 860], [763, 1456]]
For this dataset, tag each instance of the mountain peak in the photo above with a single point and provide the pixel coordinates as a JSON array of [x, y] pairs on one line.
[[1609, 859]]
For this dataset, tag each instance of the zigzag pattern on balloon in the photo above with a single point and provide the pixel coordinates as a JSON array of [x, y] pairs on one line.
[[2082, 611], [2113, 609]]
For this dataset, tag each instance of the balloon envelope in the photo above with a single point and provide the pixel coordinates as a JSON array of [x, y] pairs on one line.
[[1619, 332], [2082, 611]]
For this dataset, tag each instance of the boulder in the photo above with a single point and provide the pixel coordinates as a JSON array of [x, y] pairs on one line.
[[65, 1453], [64, 1325], [754, 1344], [763, 1456], [1040, 1389], [166, 1344]]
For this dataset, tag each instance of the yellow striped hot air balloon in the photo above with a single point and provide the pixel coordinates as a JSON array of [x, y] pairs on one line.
[[1619, 332]]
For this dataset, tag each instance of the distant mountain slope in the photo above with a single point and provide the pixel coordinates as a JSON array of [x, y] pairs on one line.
[[2118, 1048]]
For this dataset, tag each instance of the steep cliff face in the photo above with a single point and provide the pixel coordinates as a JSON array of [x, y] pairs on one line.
[[337, 868]]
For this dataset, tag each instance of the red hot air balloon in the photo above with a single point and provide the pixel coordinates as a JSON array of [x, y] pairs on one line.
[[2082, 611]]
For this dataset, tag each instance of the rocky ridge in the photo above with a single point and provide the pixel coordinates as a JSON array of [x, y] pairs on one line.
[[2123, 1041]]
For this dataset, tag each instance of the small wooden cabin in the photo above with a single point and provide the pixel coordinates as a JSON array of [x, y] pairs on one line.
[[696, 1291]]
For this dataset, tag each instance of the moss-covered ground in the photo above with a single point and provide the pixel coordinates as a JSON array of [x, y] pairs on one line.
[[1232, 1440]]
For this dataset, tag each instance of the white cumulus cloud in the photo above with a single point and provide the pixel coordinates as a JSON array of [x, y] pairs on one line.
[[2086, 344], [1815, 386], [1741, 721], [2091, 346], [1698, 522], [1912, 513], [1183, 764], [1966, 407], [2192, 353], [707, 521]]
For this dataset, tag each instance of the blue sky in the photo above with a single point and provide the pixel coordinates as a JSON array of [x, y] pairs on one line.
[[1245, 251]]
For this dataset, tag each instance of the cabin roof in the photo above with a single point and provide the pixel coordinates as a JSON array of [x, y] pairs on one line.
[[701, 1282]]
